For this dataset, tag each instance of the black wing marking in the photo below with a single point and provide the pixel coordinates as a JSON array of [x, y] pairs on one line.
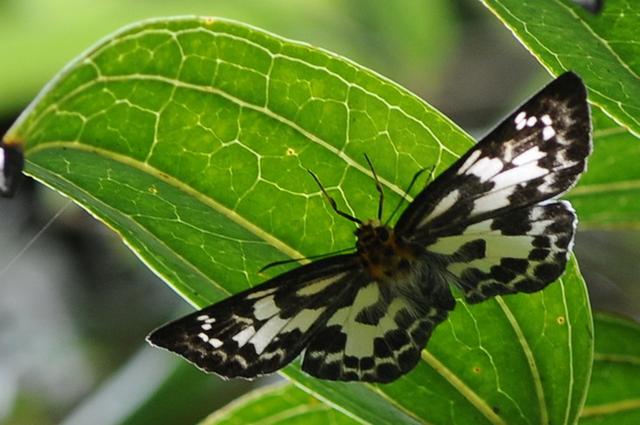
[[517, 251], [377, 336], [261, 330], [537, 153], [11, 164]]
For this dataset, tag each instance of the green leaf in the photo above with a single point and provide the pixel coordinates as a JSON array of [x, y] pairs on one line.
[[277, 404], [191, 139], [614, 394], [603, 49], [608, 195]]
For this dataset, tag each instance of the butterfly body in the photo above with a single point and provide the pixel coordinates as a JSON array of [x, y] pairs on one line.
[[488, 225], [384, 254]]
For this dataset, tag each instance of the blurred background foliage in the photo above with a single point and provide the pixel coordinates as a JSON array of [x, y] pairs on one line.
[[75, 305]]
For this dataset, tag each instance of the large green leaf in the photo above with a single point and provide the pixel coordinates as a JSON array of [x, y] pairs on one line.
[[277, 404], [190, 138], [604, 48], [614, 394]]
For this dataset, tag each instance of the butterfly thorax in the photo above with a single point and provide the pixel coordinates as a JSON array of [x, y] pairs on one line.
[[383, 252]]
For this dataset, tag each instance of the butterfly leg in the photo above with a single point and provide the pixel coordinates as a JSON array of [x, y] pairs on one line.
[[378, 187], [332, 201], [411, 183]]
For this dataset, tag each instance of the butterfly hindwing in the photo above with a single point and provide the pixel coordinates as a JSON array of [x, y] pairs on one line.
[[517, 251], [260, 330], [379, 334]]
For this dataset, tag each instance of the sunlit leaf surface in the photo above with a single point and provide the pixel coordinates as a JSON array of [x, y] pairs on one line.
[[614, 394], [278, 404]]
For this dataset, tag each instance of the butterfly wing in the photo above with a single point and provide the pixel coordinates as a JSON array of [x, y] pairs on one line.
[[262, 329], [593, 6], [487, 210], [377, 335], [522, 250], [11, 164]]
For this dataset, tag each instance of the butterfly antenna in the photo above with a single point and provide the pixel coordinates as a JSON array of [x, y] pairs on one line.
[[332, 201], [296, 260], [406, 192], [378, 187]]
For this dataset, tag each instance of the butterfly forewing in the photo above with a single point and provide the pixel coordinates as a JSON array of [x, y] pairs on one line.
[[537, 153], [260, 330]]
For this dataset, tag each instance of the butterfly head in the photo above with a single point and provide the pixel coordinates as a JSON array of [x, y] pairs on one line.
[[383, 252]]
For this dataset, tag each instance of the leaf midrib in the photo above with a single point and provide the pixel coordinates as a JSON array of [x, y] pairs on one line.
[[179, 185]]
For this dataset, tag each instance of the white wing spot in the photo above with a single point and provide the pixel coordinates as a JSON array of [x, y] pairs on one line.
[[532, 154], [266, 333], [215, 343], [548, 133], [203, 336], [469, 162], [206, 327], [493, 200], [518, 175], [265, 308], [202, 317], [486, 168], [520, 118], [303, 320], [242, 337], [318, 286], [444, 204], [532, 121], [260, 294], [546, 119]]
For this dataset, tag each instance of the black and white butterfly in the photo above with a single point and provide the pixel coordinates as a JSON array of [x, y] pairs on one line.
[[593, 6], [11, 163], [488, 225]]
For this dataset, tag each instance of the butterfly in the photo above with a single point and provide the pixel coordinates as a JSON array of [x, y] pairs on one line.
[[593, 6], [488, 225], [11, 164]]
